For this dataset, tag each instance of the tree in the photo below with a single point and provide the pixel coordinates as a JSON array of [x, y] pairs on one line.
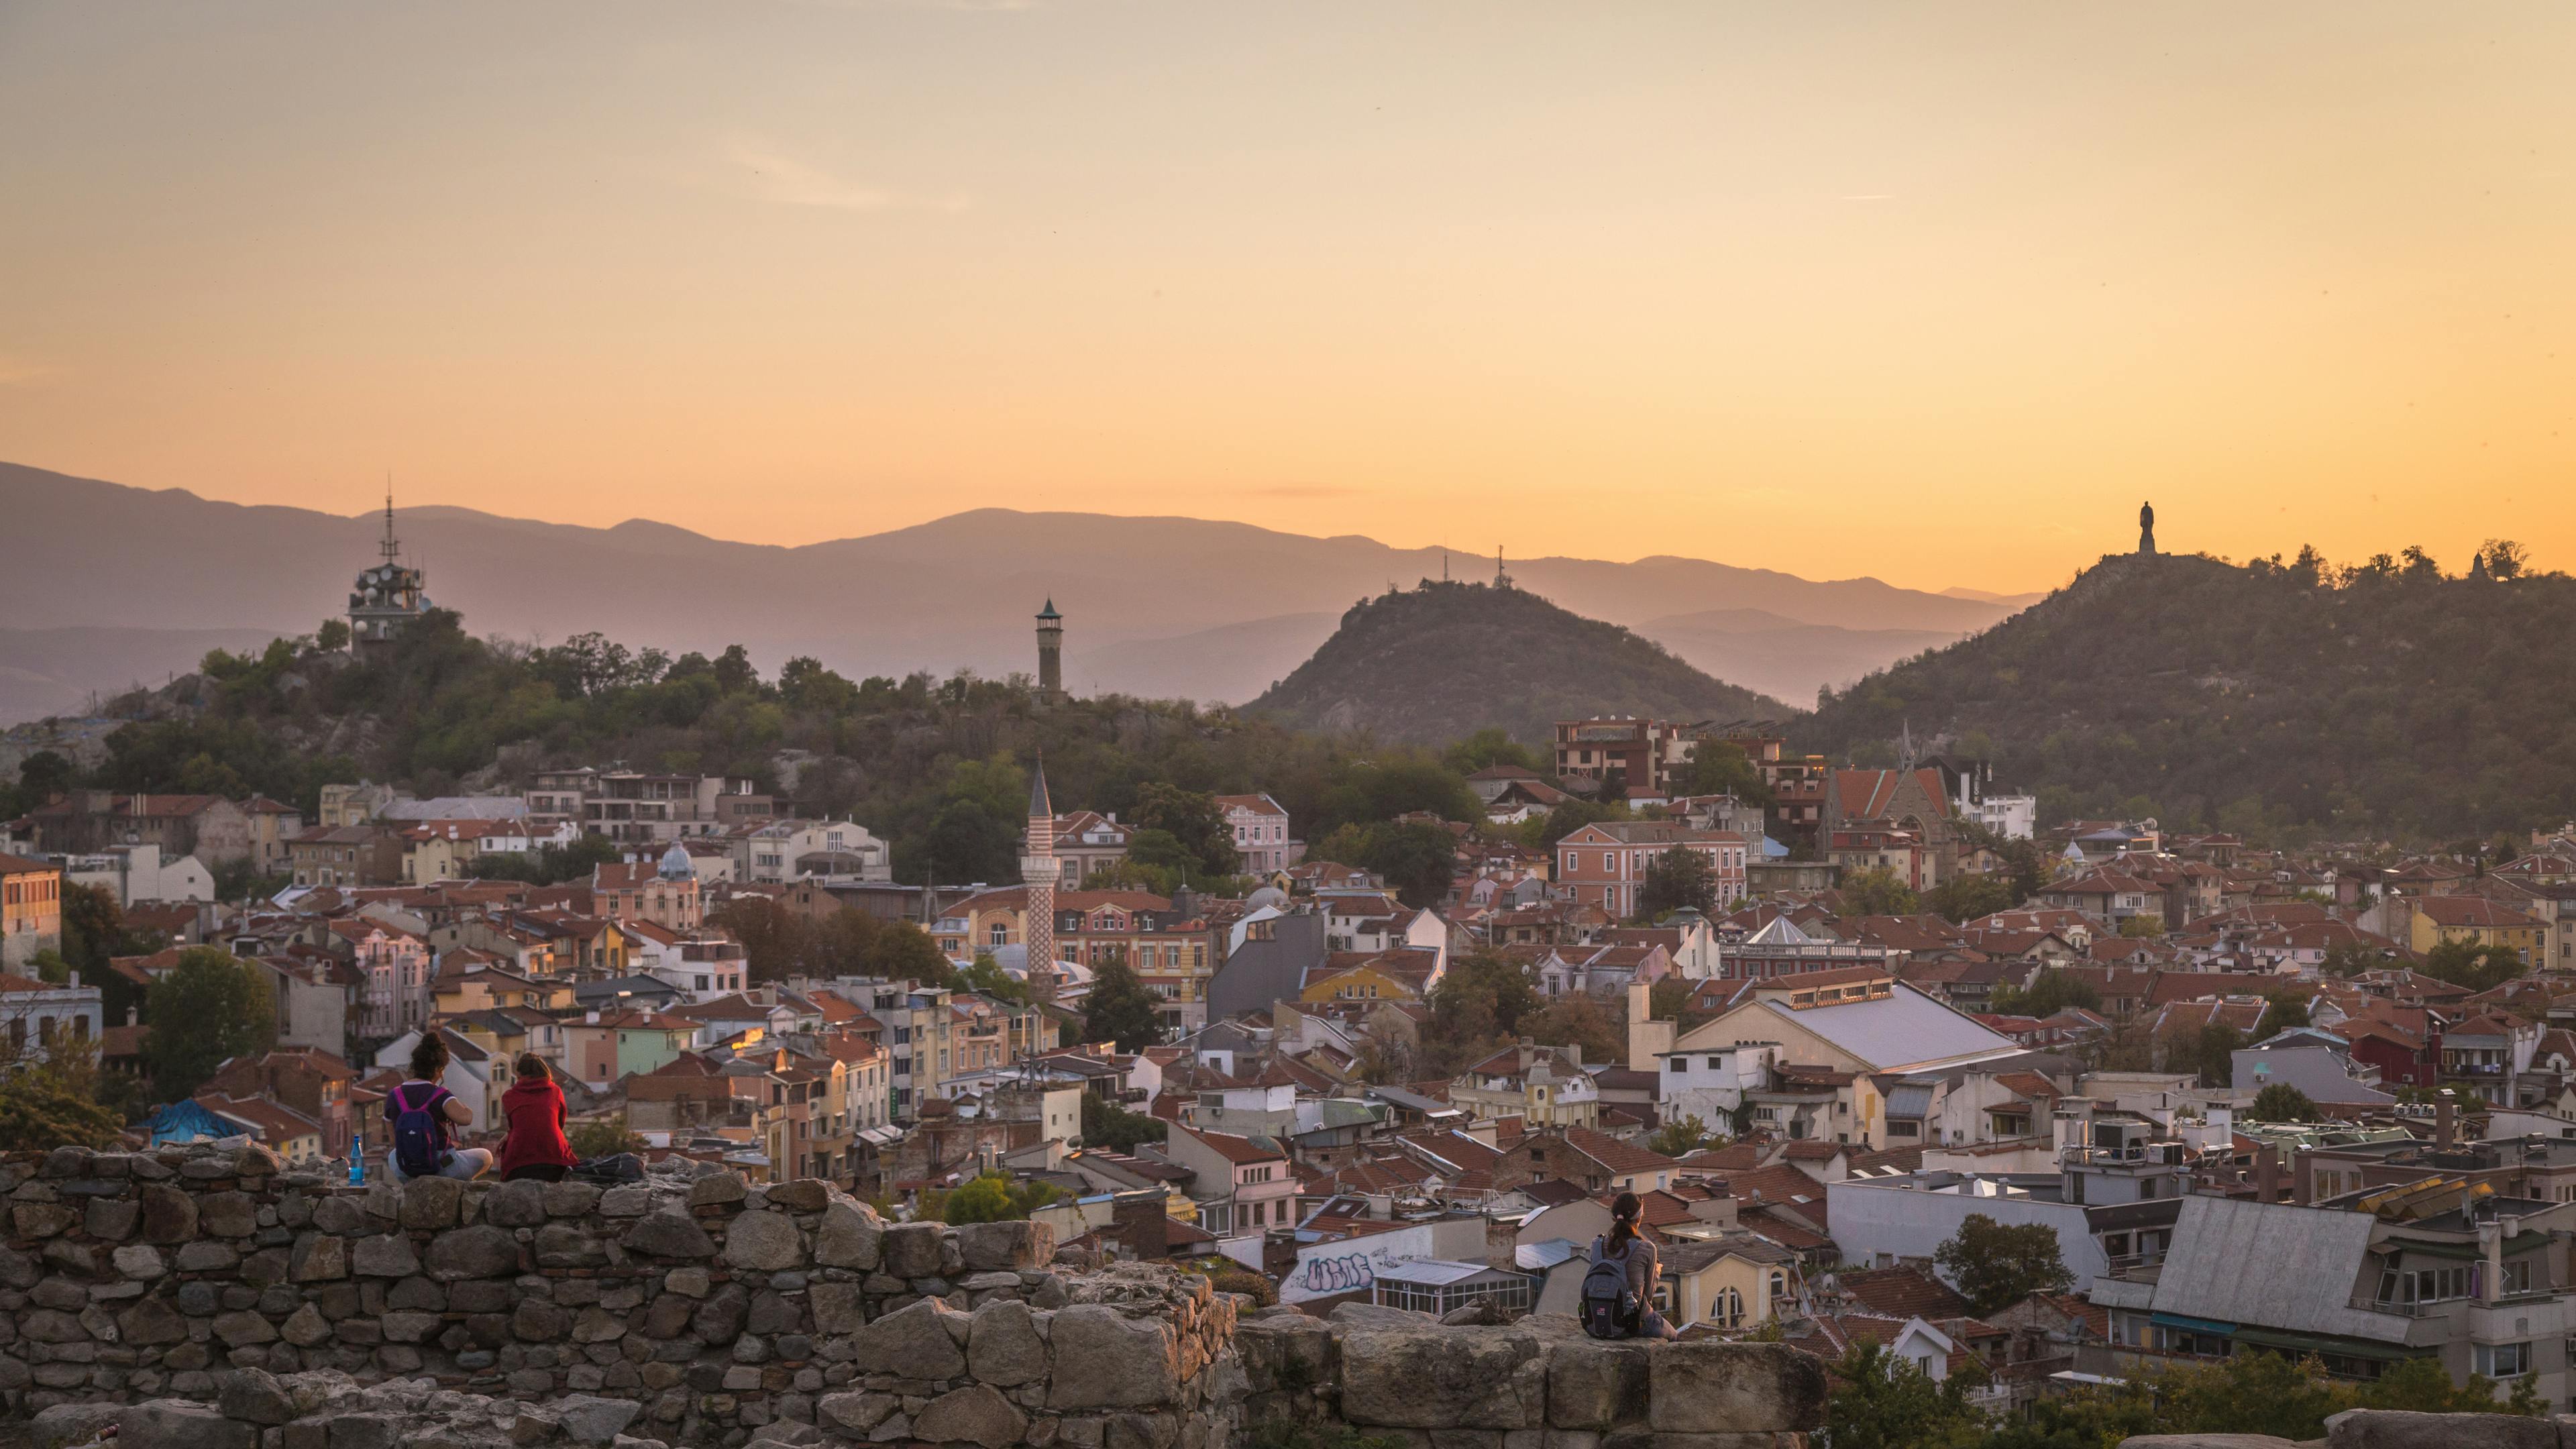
[[207, 1009], [1478, 1004], [993, 1197], [1996, 1266], [2143, 928], [1487, 747], [43, 775], [332, 636], [2505, 558], [1572, 815], [1877, 892], [1194, 819], [1679, 877], [2209, 1054], [1580, 1020], [602, 1137], [986, 975], [1415, 858], [1679, 1138], [2050, 992], [2464, 962], [2281, 1102], [1720, 767], [54, 1097], [1881, 1401], [1119, 1009], [1106, 1124], [1970, 894]]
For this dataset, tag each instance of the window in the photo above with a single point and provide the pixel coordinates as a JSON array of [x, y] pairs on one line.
[[2501, 1360]]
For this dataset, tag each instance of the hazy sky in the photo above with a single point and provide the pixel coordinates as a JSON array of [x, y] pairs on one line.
[[1932, 292]]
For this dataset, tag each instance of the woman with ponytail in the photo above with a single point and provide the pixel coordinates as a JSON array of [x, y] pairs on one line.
[[1624, 1244]]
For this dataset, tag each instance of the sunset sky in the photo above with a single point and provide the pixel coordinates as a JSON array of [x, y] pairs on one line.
[[1936, 292]]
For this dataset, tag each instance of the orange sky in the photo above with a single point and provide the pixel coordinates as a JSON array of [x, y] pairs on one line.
[[1936, 293]]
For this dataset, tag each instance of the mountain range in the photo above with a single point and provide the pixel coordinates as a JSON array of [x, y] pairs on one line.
[[1166, 607]]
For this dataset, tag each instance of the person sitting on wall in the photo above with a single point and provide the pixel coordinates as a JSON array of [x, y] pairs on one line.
[[423, 1116], [536, 1147]]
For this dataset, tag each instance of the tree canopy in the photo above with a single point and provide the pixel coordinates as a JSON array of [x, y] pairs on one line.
[[1996, 1265], [209, 1008]]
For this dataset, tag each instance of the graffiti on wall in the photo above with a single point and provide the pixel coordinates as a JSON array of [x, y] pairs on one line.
[[1328, 1270]]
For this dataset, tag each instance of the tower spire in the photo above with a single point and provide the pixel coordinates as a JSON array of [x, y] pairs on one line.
[[392, 550], [1905, 746]]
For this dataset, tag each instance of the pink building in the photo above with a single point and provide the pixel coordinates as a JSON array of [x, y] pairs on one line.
[[1260, 827], [1243, 1184], [396, 965]]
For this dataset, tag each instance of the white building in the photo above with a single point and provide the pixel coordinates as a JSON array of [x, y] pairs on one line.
[[36, 1014], [138, 873], [1260, 826]]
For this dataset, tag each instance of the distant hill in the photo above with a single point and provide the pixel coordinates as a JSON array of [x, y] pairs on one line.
[[61, 671], [1148, 601], [1438, 661], [2386, 700], [1783, 657]]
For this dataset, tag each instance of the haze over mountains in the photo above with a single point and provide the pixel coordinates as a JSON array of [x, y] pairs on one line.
[[1154, 606]]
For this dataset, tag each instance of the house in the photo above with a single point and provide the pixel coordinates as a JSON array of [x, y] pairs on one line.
[[1261, 840], [699, 965], [134, 873], [2478, 921], [209, 827], [315, 997], [1089, 843], [606, 1045], [1730, 1281], [1594, 1161], [31, 910], [37, 1014], [315, 1084], [347, 855], [664, 893], [1543, 1086], [1241, 1184], [1604, 864]]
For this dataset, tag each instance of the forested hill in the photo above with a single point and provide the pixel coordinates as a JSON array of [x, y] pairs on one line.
[[2382, 698], [1442, 659]]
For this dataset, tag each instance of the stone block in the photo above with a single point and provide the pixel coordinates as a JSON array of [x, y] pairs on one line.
[[975, 1414], [481, 1251], [520, 1204], [1105, 1359], [1439, 1378], [718, 1188], [385, 1255], [1002, 1344], [912, 1250], [173, 1424], [2398, 1429], [669, 1235], [431, 1204], [912, 1342], [851, 1236], [1740, 1387], [763, 1242], [1595, 1385]]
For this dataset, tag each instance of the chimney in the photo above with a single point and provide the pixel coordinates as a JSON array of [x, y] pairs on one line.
[[134, 1016], [2444, 1122], [2267, 1174]]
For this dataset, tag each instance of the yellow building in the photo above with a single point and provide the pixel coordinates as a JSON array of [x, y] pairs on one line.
[[2480, 922], [1402, 975], [1732, 1281], [31, 910]]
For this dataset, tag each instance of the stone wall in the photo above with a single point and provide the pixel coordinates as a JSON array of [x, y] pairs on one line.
[[2392, 1429], [210, 1299]]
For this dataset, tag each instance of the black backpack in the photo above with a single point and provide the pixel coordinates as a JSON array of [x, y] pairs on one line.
[[610, 1171], [1609, 1306]]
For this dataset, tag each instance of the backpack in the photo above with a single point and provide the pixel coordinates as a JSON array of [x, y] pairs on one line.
[[420, 1131], [609, 1171], [1608, 1306]]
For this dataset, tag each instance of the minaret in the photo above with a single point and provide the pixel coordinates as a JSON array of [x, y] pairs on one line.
[[1050, 654], [1039, 873]]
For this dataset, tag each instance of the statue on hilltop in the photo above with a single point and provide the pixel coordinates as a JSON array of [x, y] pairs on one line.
[[2146, 528]]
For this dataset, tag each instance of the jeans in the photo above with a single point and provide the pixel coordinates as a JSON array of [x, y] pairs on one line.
[[538, 1171], [466, 1163]]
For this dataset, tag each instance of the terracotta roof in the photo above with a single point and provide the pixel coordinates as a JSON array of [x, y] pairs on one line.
[[1902, 1292]]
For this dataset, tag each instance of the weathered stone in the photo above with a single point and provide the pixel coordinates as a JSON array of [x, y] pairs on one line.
[[1104, 1359], [597, 1325], [385, 1255], [342, 1215], [173, 1424], [318, 1258], [169, 1215], [669, 1235], [42, 1219], [365, 1431], [1745, 1386], [719, 1319], [2399, 1429], [1594, 1385], [430, 1204], [565, 1245], [913, 1343], [409, 1327], [851, 1236], [1005, 1246], [202, 1256], [141, 1263], [112, 1219], [2205, 1441], [244, 1327], [254, 1395], [632, 1200], [520, 1204], [590, 1420], [1429, 1378], [569, 1199], [151, 1321], [803, 1195], [1002, 1344], [72, 1424], [227, 1214], [857, 1413], [481, 1251], [975, 1414], [718, 1188], [763, 1242], [305, 1327], [837, 1307], [912, 1250]]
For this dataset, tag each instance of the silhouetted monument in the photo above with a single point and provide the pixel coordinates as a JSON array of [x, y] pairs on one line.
[[2146, 528]]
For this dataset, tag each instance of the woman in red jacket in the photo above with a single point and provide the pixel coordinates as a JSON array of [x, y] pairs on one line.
[[536, 1146]]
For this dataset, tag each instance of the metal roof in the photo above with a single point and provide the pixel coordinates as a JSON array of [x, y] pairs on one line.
[[2272, 1265], [1904, 1028], [1435, 1272]]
